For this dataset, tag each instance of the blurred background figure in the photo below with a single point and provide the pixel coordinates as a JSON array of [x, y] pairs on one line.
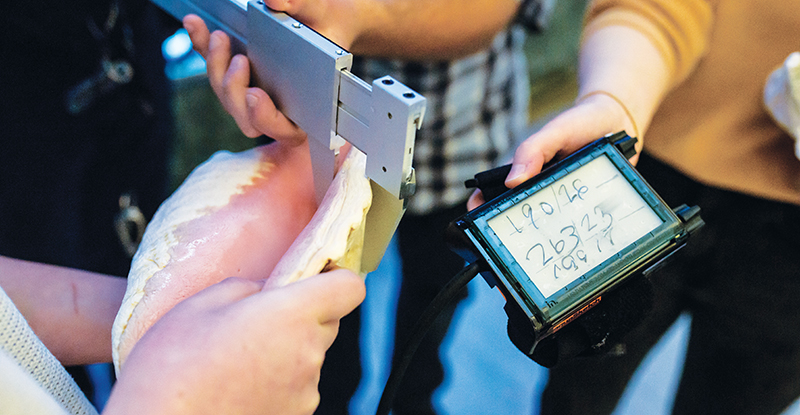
[[477, 109], [688, 77]]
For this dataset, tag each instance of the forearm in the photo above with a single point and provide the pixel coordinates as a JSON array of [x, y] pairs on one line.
[[405, 29], [638, 50], [444, 29], [625, 64], [70, 310], [633, 52]]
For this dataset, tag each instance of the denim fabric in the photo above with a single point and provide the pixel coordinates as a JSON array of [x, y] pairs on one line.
[[428, 265]]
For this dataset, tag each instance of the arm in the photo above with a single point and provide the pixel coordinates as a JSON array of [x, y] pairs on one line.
[[619, 61], [70, 310], [234, 348], [403, 29], [634, 62]]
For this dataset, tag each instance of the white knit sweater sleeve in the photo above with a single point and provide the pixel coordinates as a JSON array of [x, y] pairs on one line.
[[31, 378]]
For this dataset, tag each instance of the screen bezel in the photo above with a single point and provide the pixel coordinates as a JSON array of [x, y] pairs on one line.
[[545, 310]]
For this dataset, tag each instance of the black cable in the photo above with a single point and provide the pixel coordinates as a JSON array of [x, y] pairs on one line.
[[401, 362]]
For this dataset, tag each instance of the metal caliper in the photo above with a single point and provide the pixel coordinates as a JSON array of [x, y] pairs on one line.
[[309, 79]]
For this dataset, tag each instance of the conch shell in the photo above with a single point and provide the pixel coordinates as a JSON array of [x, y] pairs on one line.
[[251, 214], [782, 97]]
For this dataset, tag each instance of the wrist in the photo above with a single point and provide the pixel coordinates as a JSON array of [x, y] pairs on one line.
[[346, 28], [625, 118], [368, 21]]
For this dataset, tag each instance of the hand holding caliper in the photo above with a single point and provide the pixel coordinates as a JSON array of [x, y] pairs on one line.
[[229, 76], [310, 76], [441, 30], [408, 30]]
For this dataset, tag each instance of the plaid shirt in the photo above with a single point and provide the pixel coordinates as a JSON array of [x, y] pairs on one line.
[[476, 109]]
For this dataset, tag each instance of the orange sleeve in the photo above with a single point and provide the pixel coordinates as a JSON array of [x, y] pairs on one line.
[[679, 29]]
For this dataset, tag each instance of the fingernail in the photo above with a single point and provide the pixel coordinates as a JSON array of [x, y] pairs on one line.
[[516, 171], [237, 62], [189, 27], [213, 41], [252, 100]]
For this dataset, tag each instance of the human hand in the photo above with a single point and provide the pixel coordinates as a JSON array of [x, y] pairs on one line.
[[229, 76], [236, 348], [589, 119], [397, 29]]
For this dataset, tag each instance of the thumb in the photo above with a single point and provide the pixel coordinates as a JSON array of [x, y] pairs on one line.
[[330, 295], [223, 293], [268, 120]]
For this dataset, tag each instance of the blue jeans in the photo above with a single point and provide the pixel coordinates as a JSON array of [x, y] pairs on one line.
[[428, 264]]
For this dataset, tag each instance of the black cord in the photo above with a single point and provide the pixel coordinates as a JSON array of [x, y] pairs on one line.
[[401, 362]]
